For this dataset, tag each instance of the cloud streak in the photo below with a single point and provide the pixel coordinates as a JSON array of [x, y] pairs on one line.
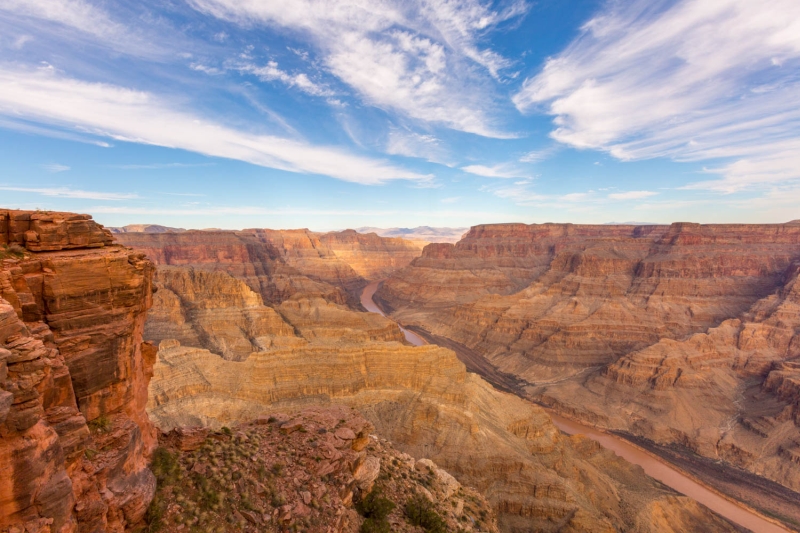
[[690, 80], [75, 194], [502, 170], [414, 57], [134, 116]]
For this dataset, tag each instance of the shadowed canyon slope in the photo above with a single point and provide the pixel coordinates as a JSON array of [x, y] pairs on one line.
[[74, 435], [683, 334], [241, 346]]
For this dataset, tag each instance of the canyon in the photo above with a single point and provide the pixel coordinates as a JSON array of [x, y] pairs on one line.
[[115, 345], [682, 335], [236, 338]]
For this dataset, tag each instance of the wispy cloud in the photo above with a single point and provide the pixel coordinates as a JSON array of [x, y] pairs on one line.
[[134, 116], [631, 195], [692, 80], [503, 170], [412, 144], [301, 81], [55, 167], [537, 156], [83, 16], [64, 192], [451, 200], [415, 57]]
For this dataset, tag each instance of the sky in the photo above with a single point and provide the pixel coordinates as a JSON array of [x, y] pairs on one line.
[[328, 114]]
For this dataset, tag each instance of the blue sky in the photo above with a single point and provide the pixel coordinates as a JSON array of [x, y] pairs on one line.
[[334, 114]]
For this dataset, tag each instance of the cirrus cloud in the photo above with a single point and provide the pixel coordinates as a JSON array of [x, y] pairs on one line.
[[41, 95], [691, 80]]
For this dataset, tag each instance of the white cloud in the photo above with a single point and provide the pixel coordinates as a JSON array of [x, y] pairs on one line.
[[414, 57], [502, 170], [63, 192], [691, 80], [401, 141], [135, 116], [82, 16], [537, 156], [631, 195], [451, 200], [55, 167], [271, 72]]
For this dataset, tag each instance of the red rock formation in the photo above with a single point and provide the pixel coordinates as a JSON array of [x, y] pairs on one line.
[[74, 376], [662, 331], [279, 264]]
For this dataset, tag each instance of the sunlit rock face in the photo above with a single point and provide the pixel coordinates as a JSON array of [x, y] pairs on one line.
[[280, 263], [74, 435], [310, 348], [678, 333]]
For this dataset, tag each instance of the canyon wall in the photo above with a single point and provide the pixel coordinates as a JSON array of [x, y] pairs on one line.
[[229, 350], [74, 435], [280, 263], [681, 334]]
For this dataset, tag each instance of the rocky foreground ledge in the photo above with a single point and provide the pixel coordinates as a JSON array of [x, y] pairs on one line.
[[319, 470]]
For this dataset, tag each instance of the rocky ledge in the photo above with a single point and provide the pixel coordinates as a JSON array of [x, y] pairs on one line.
[[317, 470]]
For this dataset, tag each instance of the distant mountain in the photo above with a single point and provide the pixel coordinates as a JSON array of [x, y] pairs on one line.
[[145, 228], [420, 233], [630, 223]]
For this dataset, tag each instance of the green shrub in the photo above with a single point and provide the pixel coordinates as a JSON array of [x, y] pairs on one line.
[[165, 467], [375, 508], [371, 525], [155, 514], [374, 505], [420, 512], [101, 424]]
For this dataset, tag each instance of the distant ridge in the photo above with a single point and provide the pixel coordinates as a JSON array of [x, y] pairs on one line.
[[146, 228], [630, 223], [420, 233]]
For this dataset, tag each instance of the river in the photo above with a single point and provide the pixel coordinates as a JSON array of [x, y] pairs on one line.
[[653, 465]]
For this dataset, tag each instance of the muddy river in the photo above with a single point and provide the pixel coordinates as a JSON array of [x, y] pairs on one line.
[[653, 465]]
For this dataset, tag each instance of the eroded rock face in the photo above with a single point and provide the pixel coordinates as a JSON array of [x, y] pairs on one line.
[[668, 332], [281, 263], [75, 435]]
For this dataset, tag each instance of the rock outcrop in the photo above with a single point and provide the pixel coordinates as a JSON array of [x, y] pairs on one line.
[[666, 332], [320, 470], [74, 435]]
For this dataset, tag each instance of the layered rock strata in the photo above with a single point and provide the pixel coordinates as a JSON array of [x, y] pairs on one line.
[[423, 400], [74, 435], [280, 263], [667, 332]]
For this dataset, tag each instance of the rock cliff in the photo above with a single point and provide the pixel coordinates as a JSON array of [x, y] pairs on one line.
[[666, 332], [280, 263], [74, 435]]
